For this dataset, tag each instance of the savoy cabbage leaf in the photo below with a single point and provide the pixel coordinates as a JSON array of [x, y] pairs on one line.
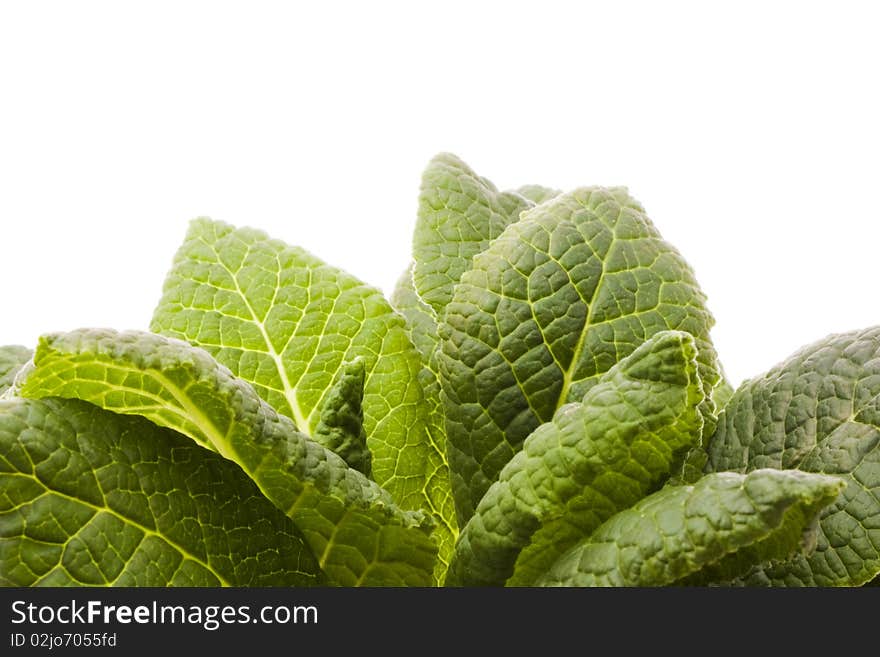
[[818, 411], [460, 213], [12, 359], [341, 427], [359, 535], [574, 286], [537, 193], [685, 534], [88, 497], [421, 326], [288, 323], [538, 403], [595, 458]]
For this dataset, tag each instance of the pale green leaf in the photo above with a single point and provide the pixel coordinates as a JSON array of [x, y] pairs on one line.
[[352, 525], [459, 214], [537, 193], [421, 326], [287, 323], [421, 319]]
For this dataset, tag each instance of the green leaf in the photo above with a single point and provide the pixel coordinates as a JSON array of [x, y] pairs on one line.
[[818, 411], [722, 395], [695, 463], [537, 193], [421, 327], [92, 498], [353, 526], [592, 460], [341, 428], [12, 359], [721, 524], [562, 295], [421, 319], [459, 214], [287, 322]]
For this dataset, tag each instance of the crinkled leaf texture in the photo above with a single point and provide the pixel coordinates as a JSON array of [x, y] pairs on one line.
[[721, 524], [352, 525], [538, 193], [564, 293], [595, 458], [341, 428], [421, 327], [12, 359], [421, 319], [818, 411], [92, 498], [460, 212], [288, 323]]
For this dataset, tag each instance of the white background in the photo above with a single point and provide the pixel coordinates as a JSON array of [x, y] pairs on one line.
[[750, 131]]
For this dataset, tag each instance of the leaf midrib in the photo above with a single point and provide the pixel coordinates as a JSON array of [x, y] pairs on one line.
[[568, 373], [289, 389]]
